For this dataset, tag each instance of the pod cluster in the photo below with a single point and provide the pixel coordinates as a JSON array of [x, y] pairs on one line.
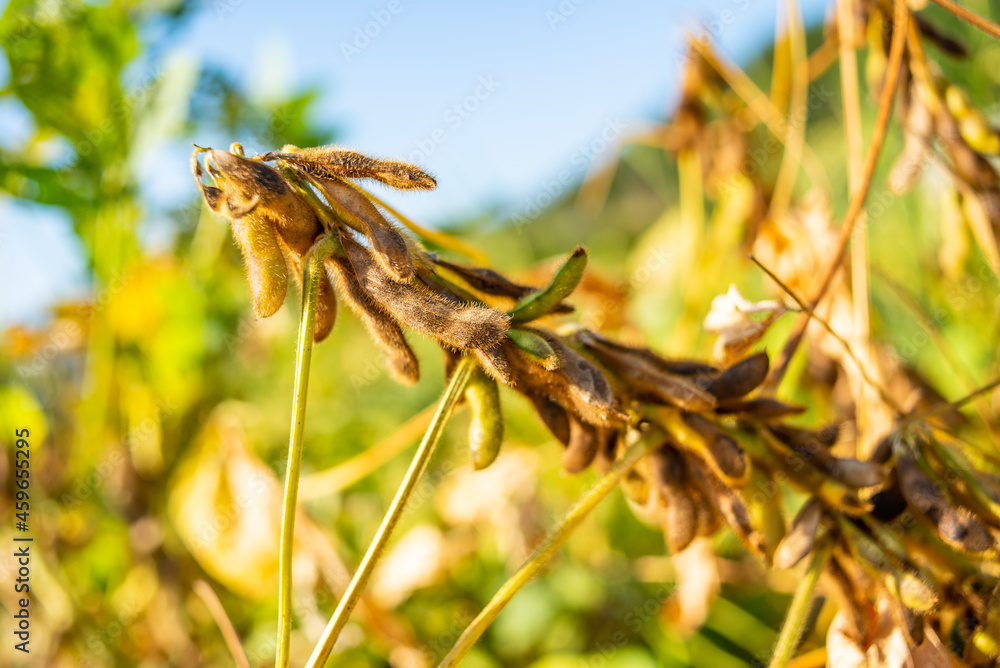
[[916, 524]]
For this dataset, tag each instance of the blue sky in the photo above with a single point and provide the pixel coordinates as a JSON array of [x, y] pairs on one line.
[[492, 98]]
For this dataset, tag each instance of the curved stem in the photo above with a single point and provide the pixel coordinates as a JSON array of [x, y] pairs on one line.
[[799, 610], [542, 554], [311, 274], [420, 459]]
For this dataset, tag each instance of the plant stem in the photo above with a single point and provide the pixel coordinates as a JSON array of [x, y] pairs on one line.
[[901, 20], [311, 273], [542, 554], [972, 18], [420, 459], [799, 610]]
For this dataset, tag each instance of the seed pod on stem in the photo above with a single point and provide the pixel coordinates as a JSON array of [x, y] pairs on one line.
[[421, 310], [400, 360], [330, 162], [388, 245], [563, 284], [486, 419]]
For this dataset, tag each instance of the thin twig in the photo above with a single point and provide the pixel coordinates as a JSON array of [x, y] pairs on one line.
[[392, 516], [882, 392], [988, 27], [311, 274], [854, 207], [799, 610], [543, 553], [214, 605]]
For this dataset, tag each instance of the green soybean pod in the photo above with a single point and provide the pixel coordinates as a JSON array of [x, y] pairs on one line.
[[563, 284], [486, 421]]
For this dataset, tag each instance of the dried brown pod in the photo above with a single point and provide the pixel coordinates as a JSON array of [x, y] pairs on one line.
[[739, 379], [424, 311], [576, 385], [264, 263], [584, 441], [668, 473], [400, 360], [718, 450], [849, 471], [330, 162], [388, 245], [730, 506], [649, 382], [801, 538], [263, 211], [552, 415], [764, 410], [955, 525]]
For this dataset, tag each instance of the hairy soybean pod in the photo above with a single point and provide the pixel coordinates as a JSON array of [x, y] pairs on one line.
[[576, 385], [563, 284], [422, 310], [389, 247], [486, 421], [399, 357], [535, 348], [335, 162]]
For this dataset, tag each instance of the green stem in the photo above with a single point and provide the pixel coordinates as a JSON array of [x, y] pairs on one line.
[[543, 553], [311, 273], [788, 641], [420, 459]]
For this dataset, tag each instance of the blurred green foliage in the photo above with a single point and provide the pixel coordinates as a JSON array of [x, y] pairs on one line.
[[159, 408]]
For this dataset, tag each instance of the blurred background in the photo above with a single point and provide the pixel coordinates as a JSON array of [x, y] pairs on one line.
[[159, 408]]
